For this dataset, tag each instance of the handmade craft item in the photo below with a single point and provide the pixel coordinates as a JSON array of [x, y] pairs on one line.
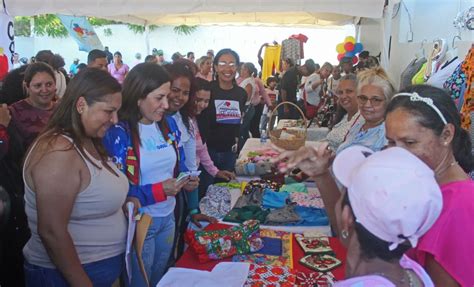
[[320, 262], [218, 244], [313, 245]]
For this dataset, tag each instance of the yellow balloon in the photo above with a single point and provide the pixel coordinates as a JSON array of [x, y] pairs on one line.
[[350, 39], [340, 48]]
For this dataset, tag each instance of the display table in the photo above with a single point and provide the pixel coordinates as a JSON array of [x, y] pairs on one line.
[[189, 258], [313, 133]]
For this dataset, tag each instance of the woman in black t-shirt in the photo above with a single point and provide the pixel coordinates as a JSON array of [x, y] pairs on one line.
[[225, 110]]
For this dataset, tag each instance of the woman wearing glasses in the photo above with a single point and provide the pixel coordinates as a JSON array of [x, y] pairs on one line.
[[226, 110], [374, 91]]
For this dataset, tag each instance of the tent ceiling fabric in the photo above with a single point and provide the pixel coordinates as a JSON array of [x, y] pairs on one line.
[[202, 12]]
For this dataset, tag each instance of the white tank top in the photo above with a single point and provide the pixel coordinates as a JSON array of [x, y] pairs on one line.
[[97, 224]]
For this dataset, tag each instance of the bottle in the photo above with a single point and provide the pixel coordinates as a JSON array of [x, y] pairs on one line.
[[263, 136]]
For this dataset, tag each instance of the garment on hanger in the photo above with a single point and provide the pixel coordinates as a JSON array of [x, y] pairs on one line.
[[303, 39], [455, 83], [290, 48], [445, 64], [468, 105], [438, 78], [271, 61], [419, 78], [413, 67]]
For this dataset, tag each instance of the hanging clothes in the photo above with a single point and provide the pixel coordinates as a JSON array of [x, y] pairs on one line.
[[438, 78], [410, 71], [271, 61], [419, 78], [303, 39], [456, 82], [468, 106], [290, 48]]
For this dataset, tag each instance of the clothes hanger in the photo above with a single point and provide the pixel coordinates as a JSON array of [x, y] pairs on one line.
[[453, 52], [421, 51]]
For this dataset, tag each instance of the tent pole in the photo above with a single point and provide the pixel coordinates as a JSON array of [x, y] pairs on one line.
[[147, 38]]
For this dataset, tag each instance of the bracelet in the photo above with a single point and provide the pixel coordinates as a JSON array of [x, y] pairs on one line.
[[193, 211]]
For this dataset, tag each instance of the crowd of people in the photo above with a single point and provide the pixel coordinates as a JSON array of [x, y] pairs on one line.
[[76, 147]]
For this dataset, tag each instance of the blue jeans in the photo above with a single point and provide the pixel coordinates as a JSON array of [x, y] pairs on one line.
[[102, 273], [156, 251]]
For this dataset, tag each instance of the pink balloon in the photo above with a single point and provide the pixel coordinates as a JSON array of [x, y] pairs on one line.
[[349, 46], [340, 56], [355, 60]]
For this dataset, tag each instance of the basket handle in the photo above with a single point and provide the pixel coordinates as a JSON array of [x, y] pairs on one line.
[[288, 103]]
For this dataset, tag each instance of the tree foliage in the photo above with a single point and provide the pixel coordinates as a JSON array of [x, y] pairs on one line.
[[50, 25]]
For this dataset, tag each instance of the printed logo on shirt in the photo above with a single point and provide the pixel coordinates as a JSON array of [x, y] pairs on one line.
[[153, 144], [227, 112]]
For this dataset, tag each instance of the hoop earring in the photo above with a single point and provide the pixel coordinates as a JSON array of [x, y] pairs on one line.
[[345, 234]]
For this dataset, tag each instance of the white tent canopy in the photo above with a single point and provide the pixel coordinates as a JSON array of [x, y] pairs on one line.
[[202, 12]]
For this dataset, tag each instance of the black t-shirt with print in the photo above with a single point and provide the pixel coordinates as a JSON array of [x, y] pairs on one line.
[[225, 113]]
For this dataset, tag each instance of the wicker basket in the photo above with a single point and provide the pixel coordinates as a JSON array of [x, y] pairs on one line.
[[298, 136]]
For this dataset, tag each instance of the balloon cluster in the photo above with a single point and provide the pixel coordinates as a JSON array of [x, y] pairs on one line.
[[349, 49]]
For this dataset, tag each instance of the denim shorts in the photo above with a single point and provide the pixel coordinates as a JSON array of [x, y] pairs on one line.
[[102, 273]]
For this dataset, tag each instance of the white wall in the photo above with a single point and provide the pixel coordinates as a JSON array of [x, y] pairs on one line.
[[321, 45], [430, 19]]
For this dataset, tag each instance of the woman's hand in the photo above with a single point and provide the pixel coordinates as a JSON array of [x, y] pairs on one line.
[[171, 186], [5, 116], [136, 205], [311, 160], [192, 183], [226, 175], [195, 218]]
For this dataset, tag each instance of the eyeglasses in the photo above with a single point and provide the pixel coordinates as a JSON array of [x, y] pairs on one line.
[[226, 64], [374, 102]]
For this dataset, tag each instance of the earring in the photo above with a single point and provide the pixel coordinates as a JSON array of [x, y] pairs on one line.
[[345, 234]]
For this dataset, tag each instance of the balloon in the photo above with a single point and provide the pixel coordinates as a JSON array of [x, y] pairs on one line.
[[358, 48], [349, 47], [340, 48], [340, 56], [350, 39], [350, 54], [355, 60]]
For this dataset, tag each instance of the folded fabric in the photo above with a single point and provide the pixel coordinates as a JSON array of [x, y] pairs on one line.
[[272, 199], [230, 274], [261, 184], [218, 244], [307, 199], [286, 257], [217, 202], [268, 275], [271, 246], [254, 198], [229, 184], [311, 216], [283, 216], [245, 213], [294, 187]]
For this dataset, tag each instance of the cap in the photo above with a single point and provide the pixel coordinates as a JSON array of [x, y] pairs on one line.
[[157, 52], [393, 194], [210, 51]]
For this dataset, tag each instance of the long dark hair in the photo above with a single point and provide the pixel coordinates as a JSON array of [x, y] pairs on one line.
[[140, 81], [428, 118], [93, 85], [183, 69], [224, 52]]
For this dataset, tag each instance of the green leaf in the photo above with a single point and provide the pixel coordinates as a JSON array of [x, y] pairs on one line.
[[107, 32], [49, 25], [22, 26], [184, 29]]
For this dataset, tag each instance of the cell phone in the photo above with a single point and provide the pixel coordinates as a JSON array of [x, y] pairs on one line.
[[182, 176]]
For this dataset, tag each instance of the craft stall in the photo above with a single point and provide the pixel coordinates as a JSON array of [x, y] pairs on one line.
[[273, 229]]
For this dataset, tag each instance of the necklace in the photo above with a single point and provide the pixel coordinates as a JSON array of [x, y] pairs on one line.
[[402, 281], [440, 172]]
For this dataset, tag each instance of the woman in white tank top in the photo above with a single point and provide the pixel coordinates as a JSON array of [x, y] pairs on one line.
[[73, 193]]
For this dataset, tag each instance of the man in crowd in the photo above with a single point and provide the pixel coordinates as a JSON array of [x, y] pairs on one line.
[[97, 59]]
